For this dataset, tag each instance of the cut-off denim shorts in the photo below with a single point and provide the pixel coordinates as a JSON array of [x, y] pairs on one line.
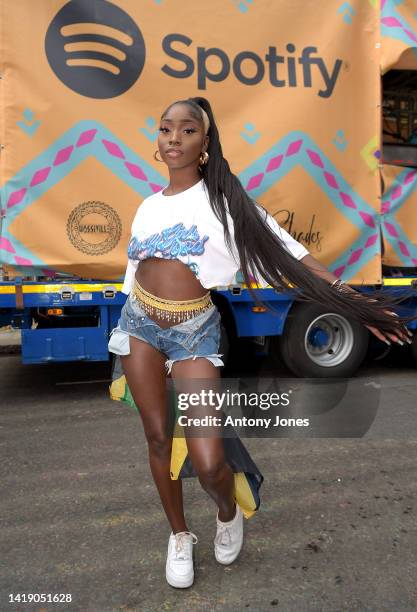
[[196, 337]]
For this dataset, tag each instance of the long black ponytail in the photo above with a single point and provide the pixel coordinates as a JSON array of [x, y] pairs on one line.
[[262, 252]]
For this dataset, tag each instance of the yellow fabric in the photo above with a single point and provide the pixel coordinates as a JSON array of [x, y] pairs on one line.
[[243, 495], [117, 388], [119, 391], [179, 453], [242, 492]]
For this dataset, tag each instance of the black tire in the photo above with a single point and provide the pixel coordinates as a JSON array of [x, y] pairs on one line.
[[338, 356]]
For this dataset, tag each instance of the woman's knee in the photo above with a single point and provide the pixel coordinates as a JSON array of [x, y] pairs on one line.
[[159, 445], [211, 471]]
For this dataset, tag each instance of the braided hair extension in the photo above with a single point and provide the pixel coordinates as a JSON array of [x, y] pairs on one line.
[[261, 250]]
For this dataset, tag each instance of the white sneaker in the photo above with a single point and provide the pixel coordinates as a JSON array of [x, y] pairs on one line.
[[229, 538], [179, 565]]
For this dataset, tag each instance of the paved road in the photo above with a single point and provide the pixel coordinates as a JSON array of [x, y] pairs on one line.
[[337, 529]]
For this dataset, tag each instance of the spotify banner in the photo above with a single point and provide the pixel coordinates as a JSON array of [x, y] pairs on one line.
[[294, 86]]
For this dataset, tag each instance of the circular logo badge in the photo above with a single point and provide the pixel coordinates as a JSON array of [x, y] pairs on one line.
[[95, 48], [94, 228]]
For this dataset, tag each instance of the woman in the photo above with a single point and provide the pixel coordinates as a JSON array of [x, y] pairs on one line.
[[188, 238]]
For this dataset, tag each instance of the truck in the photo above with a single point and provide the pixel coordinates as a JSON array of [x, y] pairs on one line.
[[319, 122]]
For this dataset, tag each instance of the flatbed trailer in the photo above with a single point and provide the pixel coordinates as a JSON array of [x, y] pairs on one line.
[[71, 321], [317, 137]]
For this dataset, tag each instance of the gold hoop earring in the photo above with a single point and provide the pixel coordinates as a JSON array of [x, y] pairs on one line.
[[204, 158], [155, 156]]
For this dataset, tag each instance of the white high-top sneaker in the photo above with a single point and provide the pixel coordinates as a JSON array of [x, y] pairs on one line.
[[179, 565], [229, 538]]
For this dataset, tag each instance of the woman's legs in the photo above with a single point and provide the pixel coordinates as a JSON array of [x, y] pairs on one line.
[[145, 374], [207, 453]]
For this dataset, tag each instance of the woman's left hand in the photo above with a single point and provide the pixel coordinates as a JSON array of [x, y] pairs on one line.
[[402, 336]]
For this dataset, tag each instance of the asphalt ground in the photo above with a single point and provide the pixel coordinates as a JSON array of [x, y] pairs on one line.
[[80, 515]]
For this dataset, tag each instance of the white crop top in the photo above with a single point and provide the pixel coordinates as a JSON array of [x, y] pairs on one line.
[[184, 227]]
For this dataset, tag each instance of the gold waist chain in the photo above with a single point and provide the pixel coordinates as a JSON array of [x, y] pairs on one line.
[[171, 310]]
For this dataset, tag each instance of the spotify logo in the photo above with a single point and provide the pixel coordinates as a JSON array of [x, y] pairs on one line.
[[95, 48]]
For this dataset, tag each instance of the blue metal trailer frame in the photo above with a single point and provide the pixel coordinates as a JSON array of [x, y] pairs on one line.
[[100, 302]]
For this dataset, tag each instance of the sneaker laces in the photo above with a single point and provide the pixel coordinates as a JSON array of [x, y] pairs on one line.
[[222, 531], [181, 539]]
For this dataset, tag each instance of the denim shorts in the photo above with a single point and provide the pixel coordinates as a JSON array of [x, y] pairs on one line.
[[196, 337]]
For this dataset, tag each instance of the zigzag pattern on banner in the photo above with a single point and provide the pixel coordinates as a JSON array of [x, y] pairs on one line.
[[395, 26], [396, 196], [88, 138], [84, 139], [297, 148]]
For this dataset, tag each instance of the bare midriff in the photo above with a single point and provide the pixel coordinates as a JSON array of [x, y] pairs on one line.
[[169, 279]]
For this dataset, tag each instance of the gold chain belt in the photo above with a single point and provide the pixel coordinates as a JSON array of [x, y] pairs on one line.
[[171, 310]]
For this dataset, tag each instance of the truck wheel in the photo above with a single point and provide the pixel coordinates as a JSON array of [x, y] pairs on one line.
[[318, 343]]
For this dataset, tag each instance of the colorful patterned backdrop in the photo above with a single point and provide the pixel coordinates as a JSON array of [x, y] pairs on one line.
[[297, 103], [399, 216], [399, 34]]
